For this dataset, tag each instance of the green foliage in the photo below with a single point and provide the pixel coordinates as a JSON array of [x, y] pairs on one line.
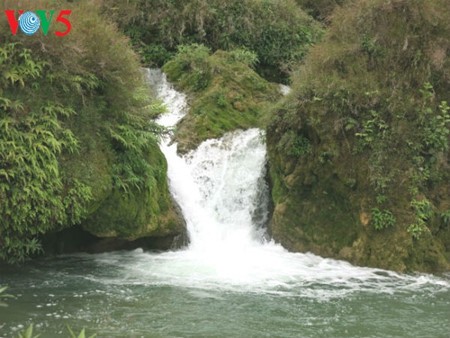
[[75, 127], [301, 147], [374, 128], [379, 98], [245, 56], [423, 211], [35, 197], [28, 333], [278, 32], [226, 92], [435, 123], [190, 67], [416, 230], [382, 219], [82, 334], [295, 145], [446, 217]]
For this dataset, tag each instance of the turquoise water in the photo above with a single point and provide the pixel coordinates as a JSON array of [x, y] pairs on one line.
[[108, 295]]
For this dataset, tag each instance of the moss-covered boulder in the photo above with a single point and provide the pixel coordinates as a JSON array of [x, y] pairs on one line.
[[78, 148], [144, 212], [359, 152], [225, 93]]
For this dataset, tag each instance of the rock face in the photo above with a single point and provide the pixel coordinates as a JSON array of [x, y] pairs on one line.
[[145, 216], [121, 214], [359, 151]]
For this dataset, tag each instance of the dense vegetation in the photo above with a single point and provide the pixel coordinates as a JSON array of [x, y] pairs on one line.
[[74, 135], [320, 9], [359, 152], [226, 93], [278, 32]]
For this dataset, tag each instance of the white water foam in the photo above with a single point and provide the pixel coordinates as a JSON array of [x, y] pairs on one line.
[[221, 191]]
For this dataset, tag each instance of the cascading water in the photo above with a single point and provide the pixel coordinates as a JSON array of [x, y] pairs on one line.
[[220, 189], [230, 281]]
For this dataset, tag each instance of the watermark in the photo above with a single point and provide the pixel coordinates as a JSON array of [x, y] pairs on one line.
[[29, 22]]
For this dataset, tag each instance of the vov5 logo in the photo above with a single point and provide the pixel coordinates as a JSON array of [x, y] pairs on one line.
[[29, 22]]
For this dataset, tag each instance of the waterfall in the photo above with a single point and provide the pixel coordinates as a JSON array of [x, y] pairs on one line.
[[220, 185], [221, 190]]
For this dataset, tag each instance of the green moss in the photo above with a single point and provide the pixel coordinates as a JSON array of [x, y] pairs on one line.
[[371, 101], [140, 212], [76, 137], [226, 94]]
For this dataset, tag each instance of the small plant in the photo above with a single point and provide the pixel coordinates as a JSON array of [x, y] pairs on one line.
[[382, 219], [301, 146], [416, 230], [81, 335], [326, 156], [221, 100], [370, 46], [381, 198], [424, 211], [446, 217], [373, 129], [28, 333], [4, 296], [245, 56]]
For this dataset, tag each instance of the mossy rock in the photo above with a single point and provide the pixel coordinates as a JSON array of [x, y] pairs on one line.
[[141, 212], [225, 94], [359, 140], [79, 145]]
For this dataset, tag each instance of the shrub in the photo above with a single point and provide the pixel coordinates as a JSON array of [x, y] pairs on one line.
[[278, 32], [320, 9], [382, 219]]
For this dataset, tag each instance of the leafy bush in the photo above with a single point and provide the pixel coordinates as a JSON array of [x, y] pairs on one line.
[[382, 219], [279, 32]]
